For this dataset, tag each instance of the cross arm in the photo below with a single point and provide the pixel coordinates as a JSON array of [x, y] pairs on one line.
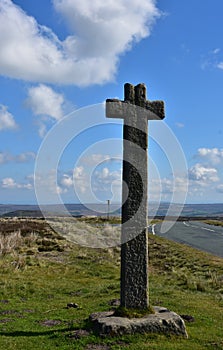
[[156, 108], [153, 110]]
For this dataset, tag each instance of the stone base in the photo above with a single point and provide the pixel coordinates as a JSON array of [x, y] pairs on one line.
[[163, 321]]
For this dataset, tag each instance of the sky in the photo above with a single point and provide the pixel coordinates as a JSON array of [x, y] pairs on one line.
[[61, 59]]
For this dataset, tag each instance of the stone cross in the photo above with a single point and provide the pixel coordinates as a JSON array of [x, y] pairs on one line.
[[136, 111]]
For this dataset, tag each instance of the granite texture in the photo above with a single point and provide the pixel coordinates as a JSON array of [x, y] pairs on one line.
[[136, 110], [162, 322]]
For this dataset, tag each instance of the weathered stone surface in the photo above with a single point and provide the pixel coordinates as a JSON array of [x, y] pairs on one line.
[[136, 111], [135, 103], [163, 321], [153, 110]]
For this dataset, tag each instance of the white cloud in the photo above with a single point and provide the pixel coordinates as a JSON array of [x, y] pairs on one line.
[[96, 158], [42, 128], [180, 125], [220, 65], [78, 172], [106, 184], [67, 181], [45, 103], [85, 184], [43, 100], [7, 121], [106, 177], [100, 32], [215, 51], [219, 188], [48, 187], [165, 188], [211, 59], [24, 157], [212, 155], [203, 174], [19, 158], [10, 183], [78, 178]]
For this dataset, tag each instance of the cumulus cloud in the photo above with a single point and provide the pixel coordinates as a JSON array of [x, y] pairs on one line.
[[45, 103], [7, 121], [80, 178], [43, 100], [212, 155], [67, 181], [10, 183], [106, 176], [84, 182], [25, 157], [106, 183], [99, 33], [165, 188], [48, 186], [77, 177], [203, 174]]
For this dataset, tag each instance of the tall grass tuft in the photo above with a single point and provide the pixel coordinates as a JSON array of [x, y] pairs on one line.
[[10, 242]]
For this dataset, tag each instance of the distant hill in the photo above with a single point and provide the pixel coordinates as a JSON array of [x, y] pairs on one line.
[[24, 213], [189, 210], [6, 208]]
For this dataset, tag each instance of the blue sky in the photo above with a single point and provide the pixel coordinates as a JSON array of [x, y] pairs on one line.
[[62, 55]]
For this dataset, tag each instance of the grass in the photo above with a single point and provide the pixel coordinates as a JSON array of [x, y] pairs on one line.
[[43, 273], [214, 222], [101, 220], [133, 313]]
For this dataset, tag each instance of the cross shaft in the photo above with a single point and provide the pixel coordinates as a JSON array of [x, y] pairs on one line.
[[136, 111]]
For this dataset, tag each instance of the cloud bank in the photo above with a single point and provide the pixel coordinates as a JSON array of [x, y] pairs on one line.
[[25, 157], [99, 33], [211, 155]]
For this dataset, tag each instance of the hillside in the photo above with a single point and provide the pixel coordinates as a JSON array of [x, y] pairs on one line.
[[50, 286]]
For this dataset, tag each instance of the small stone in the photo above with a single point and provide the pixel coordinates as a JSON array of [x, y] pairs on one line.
[[161, 309], [28, 311], [50, 323], [188, 318], [79, 333], [97, 347], [114, 302], [6, 320], [72, 305]]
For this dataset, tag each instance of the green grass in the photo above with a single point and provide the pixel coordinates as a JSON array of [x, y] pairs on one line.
[[38, 280]]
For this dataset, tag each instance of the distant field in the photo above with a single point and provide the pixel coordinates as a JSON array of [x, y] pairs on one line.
[[41, 273]]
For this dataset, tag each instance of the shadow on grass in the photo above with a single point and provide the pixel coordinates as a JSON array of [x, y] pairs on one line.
[[34, 334]]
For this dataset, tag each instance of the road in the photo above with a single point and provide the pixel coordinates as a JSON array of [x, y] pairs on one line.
[[196, 234]]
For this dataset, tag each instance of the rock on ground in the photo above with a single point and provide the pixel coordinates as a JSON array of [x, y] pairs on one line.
[[163, 321]]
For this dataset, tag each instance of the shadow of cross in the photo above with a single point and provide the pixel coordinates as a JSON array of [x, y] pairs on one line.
[[136, 110]]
